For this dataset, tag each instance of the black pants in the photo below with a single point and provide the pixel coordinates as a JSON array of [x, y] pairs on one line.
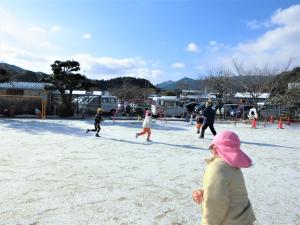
[[97, 128], [211, 127]]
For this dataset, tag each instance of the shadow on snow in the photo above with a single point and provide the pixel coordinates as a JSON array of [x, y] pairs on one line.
[[38, 128], [155, 142]]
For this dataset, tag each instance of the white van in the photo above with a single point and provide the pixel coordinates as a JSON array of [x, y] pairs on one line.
[[90, 104], [168, 106]]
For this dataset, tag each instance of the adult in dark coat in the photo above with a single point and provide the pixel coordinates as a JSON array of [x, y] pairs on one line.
[[209, 119]]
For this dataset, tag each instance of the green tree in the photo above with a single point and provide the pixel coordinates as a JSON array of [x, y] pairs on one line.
[[65, 79]]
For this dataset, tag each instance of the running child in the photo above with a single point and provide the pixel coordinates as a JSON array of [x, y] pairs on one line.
[[146, 126], [253, 116], [199, 122], [98, 120]]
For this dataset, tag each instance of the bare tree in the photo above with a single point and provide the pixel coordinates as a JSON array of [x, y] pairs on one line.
[[129, 91], [219, 81], [257, 80]]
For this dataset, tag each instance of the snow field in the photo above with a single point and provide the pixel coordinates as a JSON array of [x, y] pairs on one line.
[[51, 172]]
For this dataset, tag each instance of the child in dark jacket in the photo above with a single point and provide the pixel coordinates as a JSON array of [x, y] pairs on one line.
[[98, 120]]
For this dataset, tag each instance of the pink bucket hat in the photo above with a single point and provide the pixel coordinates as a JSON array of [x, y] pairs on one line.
[[228, 148]]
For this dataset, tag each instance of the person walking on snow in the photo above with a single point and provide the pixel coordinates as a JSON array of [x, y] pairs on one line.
[[146, 126], [224, 198], [98, 119], [209, 119], [253, 116]]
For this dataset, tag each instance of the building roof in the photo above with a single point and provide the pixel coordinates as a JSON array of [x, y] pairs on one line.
[[23, 85], [247, 95], [200, 96], [293, 85], [191, 91]]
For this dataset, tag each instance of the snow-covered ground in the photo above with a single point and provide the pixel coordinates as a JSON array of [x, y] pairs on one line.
[[52, 172]]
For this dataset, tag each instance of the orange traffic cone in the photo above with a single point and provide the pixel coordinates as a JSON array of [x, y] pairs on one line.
[[271, 119], [254, 123], [280, 124], [288, 121]]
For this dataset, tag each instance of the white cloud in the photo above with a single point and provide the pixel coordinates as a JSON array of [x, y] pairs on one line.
[[178, 65], [109, 63], [94, 67], [25, 59], [46, 44], [215, 46], [212, 43], [37, 29], [16, 32], [275, 46], [16, 37], [288, 17], [108, 67], [56, 28], [200, 67], [155, 74], [86, 36], [255, 24], [192, 47]]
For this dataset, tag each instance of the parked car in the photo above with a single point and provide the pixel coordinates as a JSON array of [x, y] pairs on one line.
[[123, 107], [229, 108], [236, 112], [190, 106], [168, 106], [139, 108], [89, 104]]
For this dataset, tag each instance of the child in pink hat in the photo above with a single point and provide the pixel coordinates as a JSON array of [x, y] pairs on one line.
[[224, 196]]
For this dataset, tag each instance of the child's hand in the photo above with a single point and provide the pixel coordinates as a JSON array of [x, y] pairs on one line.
[[198, 196]]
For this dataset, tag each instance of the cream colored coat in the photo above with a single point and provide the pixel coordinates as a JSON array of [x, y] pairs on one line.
[[225, 200], [147, 122]]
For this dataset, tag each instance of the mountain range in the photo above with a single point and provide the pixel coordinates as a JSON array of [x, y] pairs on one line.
[[184, 83], [16, 73]]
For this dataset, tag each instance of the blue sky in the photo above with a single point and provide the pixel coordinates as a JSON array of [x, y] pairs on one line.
[[156, 39]]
